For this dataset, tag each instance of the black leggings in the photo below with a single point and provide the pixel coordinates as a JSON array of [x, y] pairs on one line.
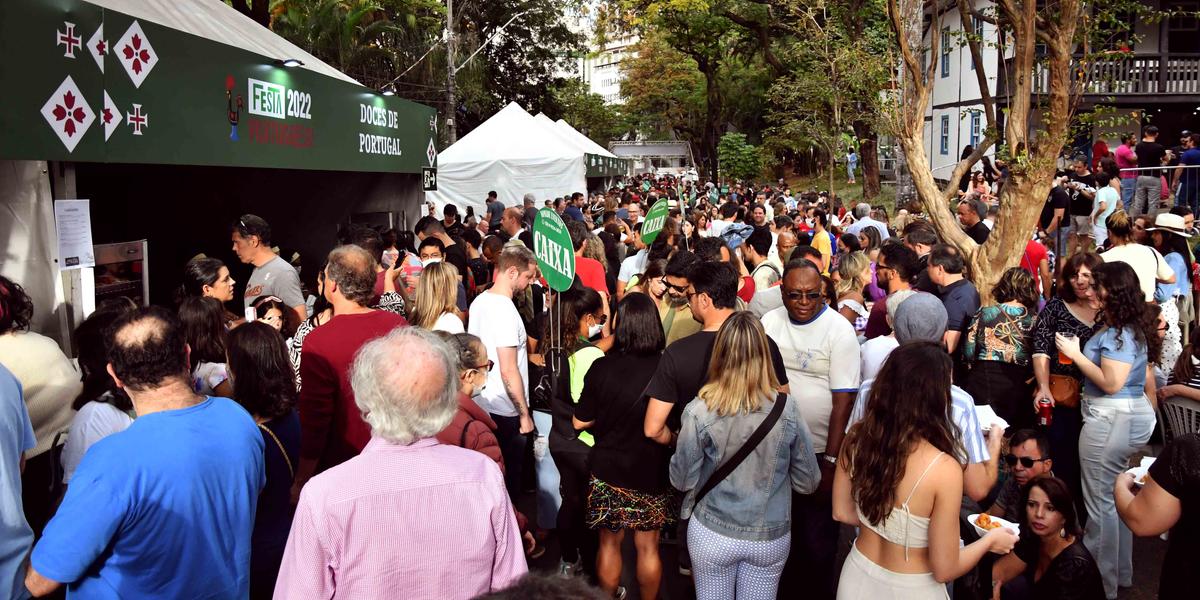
[[576, 540]]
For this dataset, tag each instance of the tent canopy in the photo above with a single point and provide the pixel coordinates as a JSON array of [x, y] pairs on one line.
[[513, 154], [591, 146], [189, 82]]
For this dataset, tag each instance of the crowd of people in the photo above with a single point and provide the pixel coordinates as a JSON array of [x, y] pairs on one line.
[[772, 374]]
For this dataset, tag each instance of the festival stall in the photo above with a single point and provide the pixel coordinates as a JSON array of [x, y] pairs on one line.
[[172, 118]]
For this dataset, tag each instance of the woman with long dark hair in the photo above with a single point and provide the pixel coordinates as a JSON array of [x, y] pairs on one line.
[[629, 491], [900, 479], [1118, 408], [203, 321], [739, 534], [998, 346], [102, 408], [263, 384], [1051, 556], [205, 277], [584, 315]]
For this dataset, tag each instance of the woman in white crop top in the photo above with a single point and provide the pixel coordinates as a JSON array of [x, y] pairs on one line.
[[900, 480]]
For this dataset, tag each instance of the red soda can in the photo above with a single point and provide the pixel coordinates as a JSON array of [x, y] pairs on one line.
[[1045, 412]]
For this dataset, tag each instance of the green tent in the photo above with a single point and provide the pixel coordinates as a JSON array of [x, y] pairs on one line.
[[189, 82]]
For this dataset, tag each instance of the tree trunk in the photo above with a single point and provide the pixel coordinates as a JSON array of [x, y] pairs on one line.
[[868, 153]]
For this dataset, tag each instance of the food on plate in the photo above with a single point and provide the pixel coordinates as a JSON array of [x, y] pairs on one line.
[[985, 521]]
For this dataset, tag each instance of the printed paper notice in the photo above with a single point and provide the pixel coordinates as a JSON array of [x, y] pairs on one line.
[[73, 222]]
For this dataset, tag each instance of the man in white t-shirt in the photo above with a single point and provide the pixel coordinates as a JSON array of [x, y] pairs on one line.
[[729, 212], [821, 354], [494, 318]]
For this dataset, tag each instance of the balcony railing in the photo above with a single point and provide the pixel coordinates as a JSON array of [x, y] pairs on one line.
[[1125, 75]]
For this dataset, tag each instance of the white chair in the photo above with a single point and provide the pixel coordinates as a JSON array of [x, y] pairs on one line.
[[1182, 416]]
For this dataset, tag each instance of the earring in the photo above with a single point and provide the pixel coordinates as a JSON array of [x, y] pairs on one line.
[[1062, 533]]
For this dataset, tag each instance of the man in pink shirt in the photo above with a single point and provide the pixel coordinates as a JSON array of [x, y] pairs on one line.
[[408, 517], [1126, 159]]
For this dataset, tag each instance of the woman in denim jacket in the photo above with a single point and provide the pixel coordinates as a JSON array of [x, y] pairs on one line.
[[1118, 410], [740, 533]]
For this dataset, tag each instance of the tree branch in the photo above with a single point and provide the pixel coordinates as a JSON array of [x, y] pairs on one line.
[[763, 34]]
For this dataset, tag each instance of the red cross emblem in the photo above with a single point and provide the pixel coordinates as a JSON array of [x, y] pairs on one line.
[[137, 120], [69, 39]]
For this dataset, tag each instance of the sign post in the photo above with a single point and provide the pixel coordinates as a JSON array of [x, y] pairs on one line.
[[656, 218], [553, 249]]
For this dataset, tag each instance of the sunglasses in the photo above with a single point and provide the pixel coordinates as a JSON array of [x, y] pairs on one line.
[[801, 296], [600, 320], [1025, 461], [682, 289]]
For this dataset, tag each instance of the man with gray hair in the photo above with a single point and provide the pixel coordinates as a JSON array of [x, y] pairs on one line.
[[921, 317], [331, 429], [862, 220], [409, 517]]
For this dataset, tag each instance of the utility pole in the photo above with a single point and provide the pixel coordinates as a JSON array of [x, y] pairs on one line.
[[451, 132]]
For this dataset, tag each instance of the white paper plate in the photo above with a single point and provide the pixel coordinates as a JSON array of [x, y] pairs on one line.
[[987, 416], [1003, 523], [1139, 472]]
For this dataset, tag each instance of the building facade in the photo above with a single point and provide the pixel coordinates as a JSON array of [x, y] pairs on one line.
[[1151, 76]]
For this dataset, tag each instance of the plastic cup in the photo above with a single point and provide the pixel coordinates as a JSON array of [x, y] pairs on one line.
[[1062, 358]]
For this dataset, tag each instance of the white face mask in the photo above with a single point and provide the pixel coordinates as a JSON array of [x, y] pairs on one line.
[[430, 261], [595, 330]]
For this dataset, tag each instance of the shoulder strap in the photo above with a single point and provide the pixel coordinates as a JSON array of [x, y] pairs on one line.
[[752, 442], [291, 470], [922, 477], [462, 438]]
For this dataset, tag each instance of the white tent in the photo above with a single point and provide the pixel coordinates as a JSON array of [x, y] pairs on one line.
[[513, 154], [589, 145]]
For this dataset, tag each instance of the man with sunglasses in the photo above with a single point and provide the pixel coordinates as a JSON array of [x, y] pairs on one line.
[[895, 269], [677, 317], [1028, 457], [821, 354]]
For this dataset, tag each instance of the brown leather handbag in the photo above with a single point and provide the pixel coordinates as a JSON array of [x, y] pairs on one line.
[[1065, 390]]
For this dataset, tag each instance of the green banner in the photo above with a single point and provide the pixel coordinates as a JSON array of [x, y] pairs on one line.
[[605, 166], [656, 218], [553, 249], [84, 83]]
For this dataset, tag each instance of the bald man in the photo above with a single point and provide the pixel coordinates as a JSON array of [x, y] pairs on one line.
[[512, 226]]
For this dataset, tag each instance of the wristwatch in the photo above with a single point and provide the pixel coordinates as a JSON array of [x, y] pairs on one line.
[[831, 459]]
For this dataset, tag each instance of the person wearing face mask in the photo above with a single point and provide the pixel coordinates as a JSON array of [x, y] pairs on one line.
[[584, 315], [431, 251]]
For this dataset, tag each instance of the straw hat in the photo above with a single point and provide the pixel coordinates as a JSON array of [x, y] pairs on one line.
[[1171, 223]]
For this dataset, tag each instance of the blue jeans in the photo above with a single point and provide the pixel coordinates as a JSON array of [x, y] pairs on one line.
[[1127, 187], [1113, 429], [548, 498]]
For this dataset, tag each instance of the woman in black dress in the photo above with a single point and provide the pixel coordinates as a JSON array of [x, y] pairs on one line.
[[630, 490], [1050, 562]]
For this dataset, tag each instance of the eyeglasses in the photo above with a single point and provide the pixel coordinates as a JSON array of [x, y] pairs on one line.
[[1027, 462], [485, 367], [600, 320], [803, 296]]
